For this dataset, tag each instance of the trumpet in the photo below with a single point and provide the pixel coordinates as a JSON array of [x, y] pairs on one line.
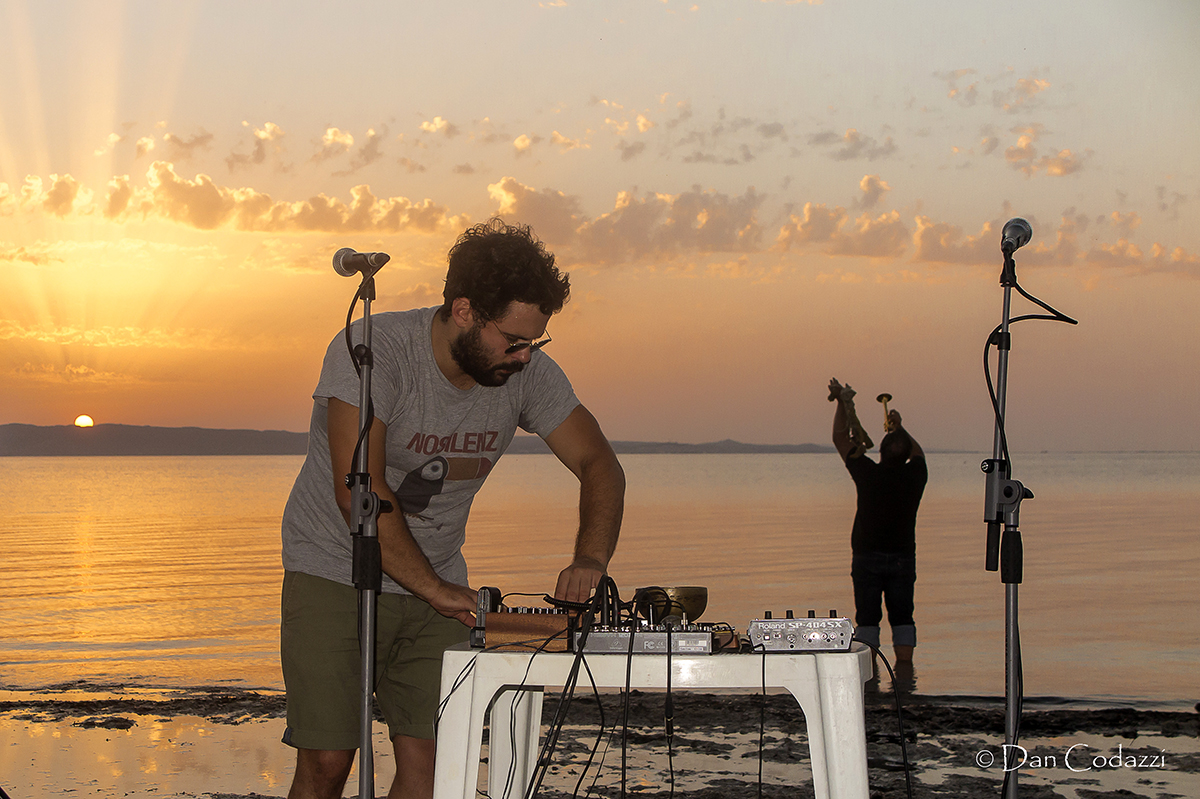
[[887, 420], [858, 434]]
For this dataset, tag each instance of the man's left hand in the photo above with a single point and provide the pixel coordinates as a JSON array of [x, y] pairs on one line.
[[577, 581]]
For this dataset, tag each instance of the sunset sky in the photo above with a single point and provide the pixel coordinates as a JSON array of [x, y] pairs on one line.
[[751, 197]]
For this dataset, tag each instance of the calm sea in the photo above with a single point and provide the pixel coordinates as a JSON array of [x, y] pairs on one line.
[[165, 571]]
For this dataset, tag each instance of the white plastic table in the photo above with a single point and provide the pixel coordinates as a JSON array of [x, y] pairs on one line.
[[828, 686]]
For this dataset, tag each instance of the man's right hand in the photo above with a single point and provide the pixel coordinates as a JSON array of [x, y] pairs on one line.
[[455, 601]]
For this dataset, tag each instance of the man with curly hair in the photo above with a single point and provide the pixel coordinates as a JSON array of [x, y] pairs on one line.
[[450, 386]]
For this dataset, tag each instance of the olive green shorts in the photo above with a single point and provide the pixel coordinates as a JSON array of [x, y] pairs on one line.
[[322, 662]]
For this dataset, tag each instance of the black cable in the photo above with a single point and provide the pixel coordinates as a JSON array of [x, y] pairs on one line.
[[1055, 316], [556, 724], [669, 720], [899, 715], [625, 714], [1020, 705], [762, 719]]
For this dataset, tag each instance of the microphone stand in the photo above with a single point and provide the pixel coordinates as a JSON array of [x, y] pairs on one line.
[[367, 564], [1002, 507]]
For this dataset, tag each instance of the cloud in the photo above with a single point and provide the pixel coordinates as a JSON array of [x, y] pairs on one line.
[[109, 143], [873, 188], [120, 194], [772, 130], [110, 337], [553, 214], [1021, 155], [963, 96], [1024, 155], [1170, 204], [630, 151], [1066, 249], [69, 373], [333, 142], [940, 242], [24, 255], [182, 149], [145, 145], [439, 125], [60, 198], [202, 204], [1122, 253], [1060, 165], [524, 143], [619, 126], [1022, 94], [264, 139], [643, 123], [370, 151], [1125, 223], [665, 226], [564, 144], [855, 145], [412, 166], [885, 236], [1179, 261]]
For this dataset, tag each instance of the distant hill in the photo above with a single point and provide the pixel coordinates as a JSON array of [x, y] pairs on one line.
[[526, 445], [123, 439]]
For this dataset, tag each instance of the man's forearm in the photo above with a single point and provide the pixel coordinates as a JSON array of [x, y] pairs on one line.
[[601, 506]]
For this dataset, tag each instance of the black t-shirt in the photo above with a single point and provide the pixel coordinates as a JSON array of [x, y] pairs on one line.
[[888, 496]]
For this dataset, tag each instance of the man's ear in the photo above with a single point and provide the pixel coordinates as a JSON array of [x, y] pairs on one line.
[[463, 314]]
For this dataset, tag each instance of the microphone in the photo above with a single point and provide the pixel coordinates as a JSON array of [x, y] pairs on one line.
[[1015, 236], [346, 261]]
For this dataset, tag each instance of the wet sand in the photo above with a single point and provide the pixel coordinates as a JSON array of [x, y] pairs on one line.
[[87, 740]]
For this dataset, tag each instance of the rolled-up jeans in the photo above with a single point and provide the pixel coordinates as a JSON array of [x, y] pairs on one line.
[[884, 578]]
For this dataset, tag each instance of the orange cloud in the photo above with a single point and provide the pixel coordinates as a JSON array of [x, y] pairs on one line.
[[202, 204], [439, 125], [333, 142], [885, 236], [1020, 95], [564, 144], [855, 145], [263, 137], [940, 242], [553, 214], [1121, 254], [873, 189], [664, 226]]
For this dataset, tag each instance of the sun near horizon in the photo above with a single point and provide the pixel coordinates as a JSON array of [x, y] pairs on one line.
[[83, 420]]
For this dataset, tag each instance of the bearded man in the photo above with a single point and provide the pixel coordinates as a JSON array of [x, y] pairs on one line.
[[450, 386]]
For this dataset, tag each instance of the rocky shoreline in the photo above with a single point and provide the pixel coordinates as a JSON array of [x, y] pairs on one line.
[[722, 743]]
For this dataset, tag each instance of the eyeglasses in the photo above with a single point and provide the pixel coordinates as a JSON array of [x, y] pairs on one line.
[[513, 349]]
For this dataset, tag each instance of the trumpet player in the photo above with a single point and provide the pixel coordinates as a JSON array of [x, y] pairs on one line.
[[883, 541]]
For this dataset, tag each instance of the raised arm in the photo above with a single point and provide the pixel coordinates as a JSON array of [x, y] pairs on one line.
[[579, 443], [402, 557], [841, 423]]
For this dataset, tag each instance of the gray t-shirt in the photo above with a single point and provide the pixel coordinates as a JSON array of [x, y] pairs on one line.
[[441, 443]]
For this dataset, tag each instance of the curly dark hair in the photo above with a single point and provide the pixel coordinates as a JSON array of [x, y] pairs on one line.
[[494, 264]]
